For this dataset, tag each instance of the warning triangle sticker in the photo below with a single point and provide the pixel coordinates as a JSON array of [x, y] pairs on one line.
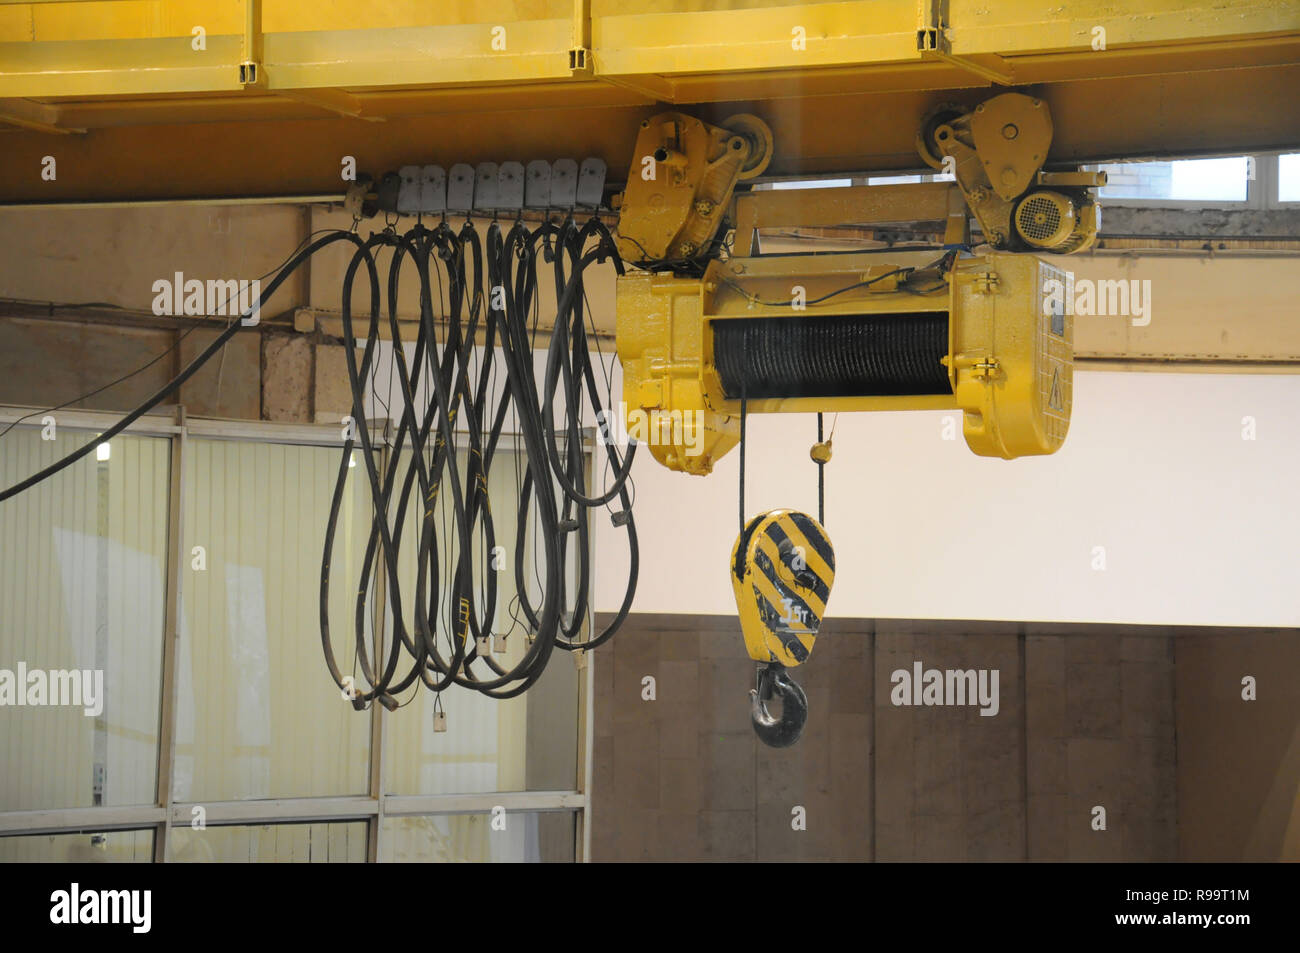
[[1054, 400]]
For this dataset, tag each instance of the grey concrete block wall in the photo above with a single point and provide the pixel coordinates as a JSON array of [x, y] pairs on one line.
[[1100, 707], [684, 778], [950, 781], [1239, 760], [1086, 717]]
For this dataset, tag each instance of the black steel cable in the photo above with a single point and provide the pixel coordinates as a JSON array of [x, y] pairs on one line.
[[821, 479]]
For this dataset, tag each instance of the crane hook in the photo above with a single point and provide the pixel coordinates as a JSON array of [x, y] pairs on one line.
[[773, 732]]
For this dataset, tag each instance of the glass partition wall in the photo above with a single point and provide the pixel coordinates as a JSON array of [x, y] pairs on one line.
[[162, 690]]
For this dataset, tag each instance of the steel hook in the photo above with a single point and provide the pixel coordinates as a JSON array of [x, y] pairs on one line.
[[785, 731]]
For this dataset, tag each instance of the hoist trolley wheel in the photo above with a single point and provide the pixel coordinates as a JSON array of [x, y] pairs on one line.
[[759, 135], [926, 143]]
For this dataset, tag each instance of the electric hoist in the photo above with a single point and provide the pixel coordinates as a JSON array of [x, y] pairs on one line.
[[709, 329]]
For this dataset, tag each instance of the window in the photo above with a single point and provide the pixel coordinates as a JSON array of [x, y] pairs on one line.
[[813, 184], [83, 847], [1288, 177], [911, 179], [270, 762], [531, 837], [526, 743], [1246, 181], [83, 572], [257, 714], [1183, 180]]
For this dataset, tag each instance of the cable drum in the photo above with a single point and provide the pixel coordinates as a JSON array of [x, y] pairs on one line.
[[853, 355]]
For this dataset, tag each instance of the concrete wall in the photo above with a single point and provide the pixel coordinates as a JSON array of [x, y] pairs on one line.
[[1117, 717], [1239, 761], [1197, 524]]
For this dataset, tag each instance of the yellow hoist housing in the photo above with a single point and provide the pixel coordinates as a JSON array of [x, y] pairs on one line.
[[986, 337]]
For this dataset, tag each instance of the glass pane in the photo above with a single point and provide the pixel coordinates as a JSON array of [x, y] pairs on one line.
[[526, 743], [1181, 180], [117, 847], [83, 572], [333, 843], [257, 712], [911, 179], [814, 184], [1288, 177], [525, 837]]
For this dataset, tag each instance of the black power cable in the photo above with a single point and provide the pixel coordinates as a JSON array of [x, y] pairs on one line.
[[444, 443], [450, 623]]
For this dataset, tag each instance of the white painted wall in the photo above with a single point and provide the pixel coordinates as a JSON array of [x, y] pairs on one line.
[[1199, 526]]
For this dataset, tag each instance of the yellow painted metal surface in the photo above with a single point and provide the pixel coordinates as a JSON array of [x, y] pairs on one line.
[[679, 187], [996, 152], [1009, 360], [783, 568], [843, 85]]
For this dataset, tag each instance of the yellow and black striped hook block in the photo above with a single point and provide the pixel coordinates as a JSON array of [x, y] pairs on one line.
[[782, 568]]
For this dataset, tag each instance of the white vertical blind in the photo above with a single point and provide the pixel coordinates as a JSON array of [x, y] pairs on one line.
[[333, 843], [259, 715], [82, 587]]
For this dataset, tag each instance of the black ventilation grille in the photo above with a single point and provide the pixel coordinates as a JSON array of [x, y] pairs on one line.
[[855, 355]]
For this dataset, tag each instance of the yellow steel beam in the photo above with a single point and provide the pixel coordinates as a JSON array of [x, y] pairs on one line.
[[803, 36], [334, 100], [877, 205], [1015, 27], [979, 38], [580, 49], [250, 51], [39, 117], [427, 56], [1235, 110], [843, 85]]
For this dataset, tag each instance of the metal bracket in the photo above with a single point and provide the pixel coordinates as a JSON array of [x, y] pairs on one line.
[[460, 188], [486, 178], [250, 72], [537, 190], [591, 183], [510, 186], [410, 192], [564, 183], [433, 189]]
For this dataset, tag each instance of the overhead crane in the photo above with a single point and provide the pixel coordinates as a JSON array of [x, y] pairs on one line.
[[1010, 99]]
